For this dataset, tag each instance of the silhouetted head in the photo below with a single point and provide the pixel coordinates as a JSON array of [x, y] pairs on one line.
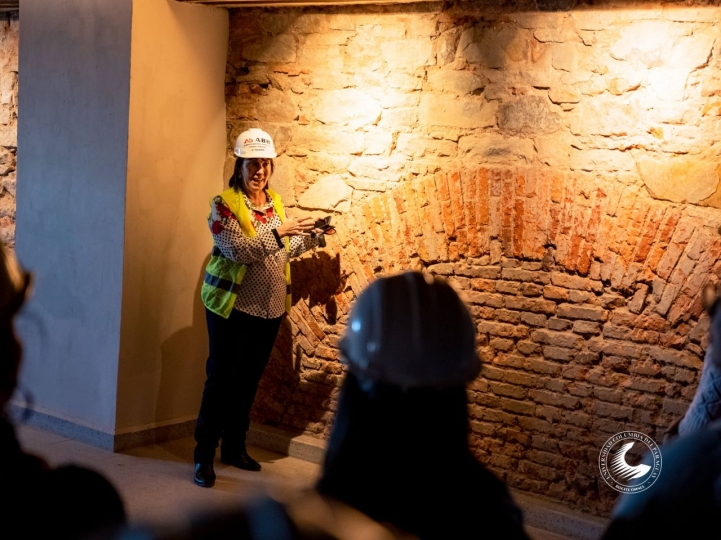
[[412, 331]]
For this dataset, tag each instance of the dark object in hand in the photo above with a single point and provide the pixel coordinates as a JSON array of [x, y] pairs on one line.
[[324, 225]]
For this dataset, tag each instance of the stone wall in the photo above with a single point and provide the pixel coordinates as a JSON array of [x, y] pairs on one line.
[[560, 168], [8, 124]]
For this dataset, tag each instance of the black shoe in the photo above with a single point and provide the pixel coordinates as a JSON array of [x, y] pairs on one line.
[[240, 459], [204, 475]]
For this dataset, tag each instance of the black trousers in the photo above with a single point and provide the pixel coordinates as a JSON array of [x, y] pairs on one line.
[[240, 347]]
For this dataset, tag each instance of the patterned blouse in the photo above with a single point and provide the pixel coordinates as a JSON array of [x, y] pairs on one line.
[[263, 289]]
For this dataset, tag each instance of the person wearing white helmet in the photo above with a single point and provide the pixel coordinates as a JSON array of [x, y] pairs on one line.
[[398, 449], [246, 291]]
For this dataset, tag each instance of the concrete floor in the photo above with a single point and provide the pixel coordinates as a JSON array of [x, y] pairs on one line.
[[156, 481]]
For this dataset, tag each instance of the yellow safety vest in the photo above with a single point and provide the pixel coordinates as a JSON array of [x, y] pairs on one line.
[[222, 275]]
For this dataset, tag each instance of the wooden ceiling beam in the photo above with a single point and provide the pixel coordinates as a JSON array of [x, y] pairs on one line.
[[286, 3]]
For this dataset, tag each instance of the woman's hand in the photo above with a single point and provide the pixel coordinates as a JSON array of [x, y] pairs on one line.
[[296, 226]]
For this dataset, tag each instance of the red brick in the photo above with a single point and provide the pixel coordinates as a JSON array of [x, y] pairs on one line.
[[615, 348], [614, 331], [517, 407], [515, 274], [616, 363], [485, 299], [555, 293], [676, 408], [610, 410], [501, 344], [503, 329], [558, 324], [508, 316], [536, 305], [539, 471], [559, 339], [551, 398], [558, 354], [510, 360], [578, 418], [586, 328], [527, 347], [520, 378], [654, 386], [534, 319], [575, 282], [677, 358], [614, 395], [648, 368], [579, 389], [586, 312], [538, 365], [483, 285], [508, 390], [508, 287]]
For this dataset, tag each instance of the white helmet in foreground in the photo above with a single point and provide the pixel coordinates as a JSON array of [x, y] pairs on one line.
[[411, 330], [254, 143]]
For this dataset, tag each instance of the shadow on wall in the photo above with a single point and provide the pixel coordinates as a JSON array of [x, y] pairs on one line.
[[183, 357], [296, 391]]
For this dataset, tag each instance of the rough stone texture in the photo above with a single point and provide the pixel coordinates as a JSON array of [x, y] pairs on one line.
[[8, 124], [529, 157], [680, 179], [326, 194]]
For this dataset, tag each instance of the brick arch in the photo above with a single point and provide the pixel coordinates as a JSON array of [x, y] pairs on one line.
[[585, 292]]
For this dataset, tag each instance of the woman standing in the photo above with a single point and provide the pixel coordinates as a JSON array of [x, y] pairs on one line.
[[245, 292]]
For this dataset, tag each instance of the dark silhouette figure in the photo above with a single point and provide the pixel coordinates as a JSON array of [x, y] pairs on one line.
[[398, 450], [67, 502]]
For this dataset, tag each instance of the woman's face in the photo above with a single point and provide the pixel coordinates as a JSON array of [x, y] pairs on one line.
[[256, 173]]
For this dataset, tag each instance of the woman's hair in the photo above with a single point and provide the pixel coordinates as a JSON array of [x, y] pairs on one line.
[[236, 181]]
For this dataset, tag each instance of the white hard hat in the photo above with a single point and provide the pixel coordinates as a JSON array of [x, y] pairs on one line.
[[254, 143], [411, 330]]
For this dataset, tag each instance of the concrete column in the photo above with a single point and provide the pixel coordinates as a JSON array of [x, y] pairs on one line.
[[121, 141]]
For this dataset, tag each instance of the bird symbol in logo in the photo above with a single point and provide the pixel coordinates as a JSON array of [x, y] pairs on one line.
[[623, 470]]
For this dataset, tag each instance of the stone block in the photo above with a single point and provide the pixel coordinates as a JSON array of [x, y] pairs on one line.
[[497, 47], [417, 146], [408, 54], [446, 45], [326, 194], [455, 82], [348, 106], [280, 48], [681, 179], [462, 112], [528, 115], [496, 149], [648, 43], [601, 160], [322, 139]]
